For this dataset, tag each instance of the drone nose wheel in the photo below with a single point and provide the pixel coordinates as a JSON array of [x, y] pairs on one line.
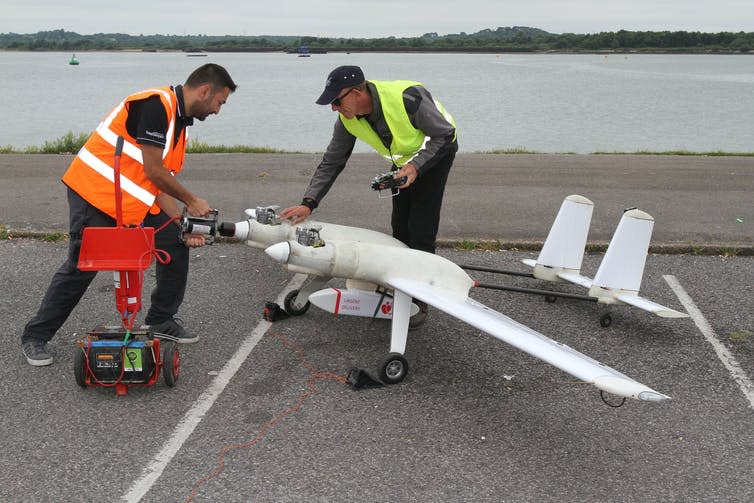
[[291, 306], [393, 368]]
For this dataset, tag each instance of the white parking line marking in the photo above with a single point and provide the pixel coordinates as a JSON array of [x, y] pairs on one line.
[[193, 417], [725, 356]]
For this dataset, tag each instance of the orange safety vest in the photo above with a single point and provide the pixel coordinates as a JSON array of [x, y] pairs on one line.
[[92, 172]]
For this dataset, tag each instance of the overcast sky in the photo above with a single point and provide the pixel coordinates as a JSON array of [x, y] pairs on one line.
[[371, 18]]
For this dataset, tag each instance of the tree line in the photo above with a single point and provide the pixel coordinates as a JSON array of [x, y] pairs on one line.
[[503, 39]]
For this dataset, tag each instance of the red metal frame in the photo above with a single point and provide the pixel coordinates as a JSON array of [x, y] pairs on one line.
[[128, 251]]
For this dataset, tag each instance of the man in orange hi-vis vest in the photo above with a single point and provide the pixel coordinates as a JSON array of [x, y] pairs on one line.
[[153, 124]]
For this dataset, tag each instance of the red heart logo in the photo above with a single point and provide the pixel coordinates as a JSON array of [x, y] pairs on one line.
[[386, 308]]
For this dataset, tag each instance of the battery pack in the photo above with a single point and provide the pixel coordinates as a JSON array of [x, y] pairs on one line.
[[113, 357], [112, 361]]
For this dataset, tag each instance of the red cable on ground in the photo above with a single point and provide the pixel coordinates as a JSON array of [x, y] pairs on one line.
[[311, 382]]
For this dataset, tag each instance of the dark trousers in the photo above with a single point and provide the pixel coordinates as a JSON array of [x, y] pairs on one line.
[[69, 284], [416, 210]]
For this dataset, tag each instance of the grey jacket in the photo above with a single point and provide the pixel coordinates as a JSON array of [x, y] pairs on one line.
[[424, 116]]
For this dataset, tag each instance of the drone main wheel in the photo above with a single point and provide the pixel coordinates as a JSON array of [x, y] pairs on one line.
[[393, 368], [288, 304]]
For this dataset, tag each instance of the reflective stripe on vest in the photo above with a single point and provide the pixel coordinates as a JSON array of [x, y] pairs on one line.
[[91, 173], [108, 172], [131, 149], [407, 141]]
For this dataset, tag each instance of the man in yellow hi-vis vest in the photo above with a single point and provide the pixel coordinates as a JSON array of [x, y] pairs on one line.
[[153, 125], [410, 129]]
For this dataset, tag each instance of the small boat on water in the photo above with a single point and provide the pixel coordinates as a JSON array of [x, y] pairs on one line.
[[73, 60], [303, 51], [193, 52]]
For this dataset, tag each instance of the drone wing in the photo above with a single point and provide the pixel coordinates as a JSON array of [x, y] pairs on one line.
[[530, 341]]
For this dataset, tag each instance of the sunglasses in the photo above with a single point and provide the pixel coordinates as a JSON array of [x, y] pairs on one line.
[[337, 101]]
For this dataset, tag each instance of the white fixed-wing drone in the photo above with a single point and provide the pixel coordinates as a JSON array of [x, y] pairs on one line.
[[383, 276]]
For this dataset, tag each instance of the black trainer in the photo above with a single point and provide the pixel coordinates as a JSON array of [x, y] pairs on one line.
[[36, 353], [174, 331]]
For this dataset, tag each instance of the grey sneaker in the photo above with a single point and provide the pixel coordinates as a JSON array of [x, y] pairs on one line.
[[36, 353], [419, 318], [175, 331]]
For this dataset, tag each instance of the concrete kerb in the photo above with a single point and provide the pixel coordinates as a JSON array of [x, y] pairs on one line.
[[717, 249]]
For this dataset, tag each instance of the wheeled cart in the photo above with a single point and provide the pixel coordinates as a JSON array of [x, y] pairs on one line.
[[119, 356]]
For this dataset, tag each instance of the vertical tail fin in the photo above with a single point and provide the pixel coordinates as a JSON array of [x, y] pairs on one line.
[[622, 267], [563, 250]]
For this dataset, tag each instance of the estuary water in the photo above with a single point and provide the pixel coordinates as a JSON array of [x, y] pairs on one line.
[[540, 102]]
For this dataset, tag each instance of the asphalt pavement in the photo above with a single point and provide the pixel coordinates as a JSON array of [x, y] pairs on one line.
[[260, 412], [697, 201]]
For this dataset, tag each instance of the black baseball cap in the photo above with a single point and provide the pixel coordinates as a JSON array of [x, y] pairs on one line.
[[340, 78]]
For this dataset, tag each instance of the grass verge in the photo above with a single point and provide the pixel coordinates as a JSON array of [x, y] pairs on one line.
[[714, 153], [71, 143]]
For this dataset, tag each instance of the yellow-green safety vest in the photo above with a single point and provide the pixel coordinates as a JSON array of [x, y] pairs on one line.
[[407, 140]]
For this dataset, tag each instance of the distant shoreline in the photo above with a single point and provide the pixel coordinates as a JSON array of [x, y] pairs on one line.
[[606, 52], [510, 39]]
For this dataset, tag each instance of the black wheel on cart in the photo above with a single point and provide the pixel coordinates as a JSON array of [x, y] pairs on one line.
[[171, 362], [79, 367], [288, 304]]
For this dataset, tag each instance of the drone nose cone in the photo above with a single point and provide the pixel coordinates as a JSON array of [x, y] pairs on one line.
[[279, 252], [239, 230]]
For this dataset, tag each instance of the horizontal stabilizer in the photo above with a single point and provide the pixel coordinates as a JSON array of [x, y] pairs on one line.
[[576, 279], [524, 338], [650, 306]]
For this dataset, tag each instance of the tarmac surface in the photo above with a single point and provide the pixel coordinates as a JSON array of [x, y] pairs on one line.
[[260, 412]]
